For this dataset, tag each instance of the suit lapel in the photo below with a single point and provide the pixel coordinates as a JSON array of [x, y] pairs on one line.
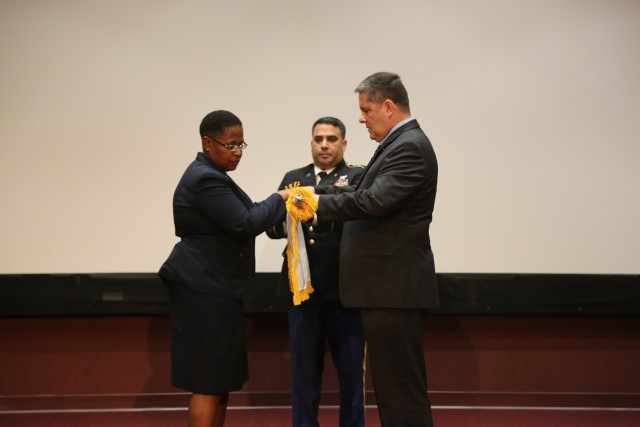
[[309, 177], [383, 146], [239, 193], [234, 187]]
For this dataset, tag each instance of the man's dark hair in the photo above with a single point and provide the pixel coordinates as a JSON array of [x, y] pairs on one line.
[[383, 85], [216, 122], [333, 122]]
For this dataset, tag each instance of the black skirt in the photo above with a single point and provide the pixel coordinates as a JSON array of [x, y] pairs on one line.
[[208, 349]]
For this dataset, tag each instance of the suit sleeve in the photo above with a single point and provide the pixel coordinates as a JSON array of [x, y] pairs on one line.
[[214, 197], [403, 171], [329, 189]]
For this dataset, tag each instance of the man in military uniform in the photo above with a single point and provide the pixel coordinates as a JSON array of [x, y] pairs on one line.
[[322, 318]]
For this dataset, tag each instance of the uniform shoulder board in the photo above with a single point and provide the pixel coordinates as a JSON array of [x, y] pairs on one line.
[[300, 168], [349, 165]]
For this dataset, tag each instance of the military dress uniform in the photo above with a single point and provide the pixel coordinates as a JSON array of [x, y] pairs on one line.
[[322, 318]]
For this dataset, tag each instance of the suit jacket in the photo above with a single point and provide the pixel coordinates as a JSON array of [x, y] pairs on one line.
[[386, 259], [217, 224], [322, 241]]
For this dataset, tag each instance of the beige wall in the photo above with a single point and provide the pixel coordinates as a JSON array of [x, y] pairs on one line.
[[532, 107]]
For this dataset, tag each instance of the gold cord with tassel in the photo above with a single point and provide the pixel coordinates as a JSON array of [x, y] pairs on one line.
[[301, 206]]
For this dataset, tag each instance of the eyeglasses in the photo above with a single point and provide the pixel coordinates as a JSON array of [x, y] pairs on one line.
[[230, 147]]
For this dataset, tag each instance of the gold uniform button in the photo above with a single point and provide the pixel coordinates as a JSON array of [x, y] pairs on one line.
[[311, 242], [311, 228]]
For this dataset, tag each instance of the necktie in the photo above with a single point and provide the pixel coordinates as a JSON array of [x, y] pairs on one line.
[[322, 175]]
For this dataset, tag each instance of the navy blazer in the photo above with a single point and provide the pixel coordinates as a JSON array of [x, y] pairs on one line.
[[217, 224], [385, 258], [323, 240]]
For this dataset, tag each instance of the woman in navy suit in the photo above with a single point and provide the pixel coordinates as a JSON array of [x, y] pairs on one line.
[[212, 268]]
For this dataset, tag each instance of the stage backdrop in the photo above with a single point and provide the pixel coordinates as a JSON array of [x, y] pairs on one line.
[[533, 108]]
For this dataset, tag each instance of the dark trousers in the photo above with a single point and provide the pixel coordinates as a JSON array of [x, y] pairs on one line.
[[310, 328], [395, 346]]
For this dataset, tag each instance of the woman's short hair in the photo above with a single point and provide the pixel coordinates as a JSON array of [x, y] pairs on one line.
[[217, 121]]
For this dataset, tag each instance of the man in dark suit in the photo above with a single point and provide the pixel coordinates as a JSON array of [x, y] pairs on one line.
[[322, 318], [386, 264]]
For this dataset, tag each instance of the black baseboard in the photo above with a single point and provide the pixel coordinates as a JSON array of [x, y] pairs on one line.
[[465, 294]]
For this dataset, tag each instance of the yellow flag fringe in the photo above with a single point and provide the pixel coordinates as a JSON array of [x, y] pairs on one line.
[[301, 206]]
